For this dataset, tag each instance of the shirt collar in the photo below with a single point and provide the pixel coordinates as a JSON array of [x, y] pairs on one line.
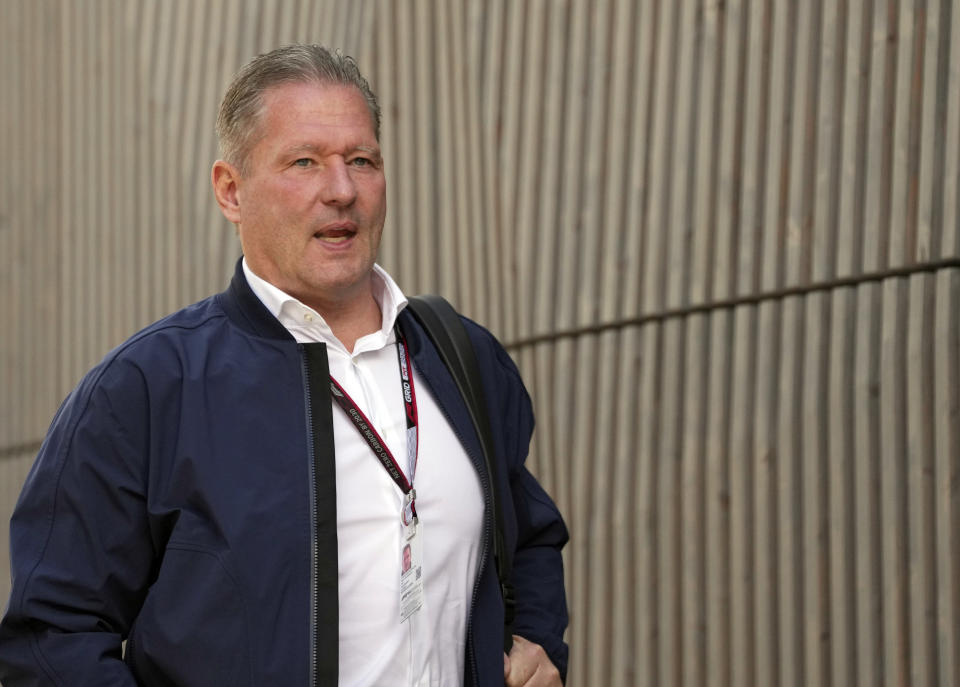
[[307, 325]]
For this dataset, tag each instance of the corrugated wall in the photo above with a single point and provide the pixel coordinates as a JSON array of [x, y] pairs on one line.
[[721, 239]]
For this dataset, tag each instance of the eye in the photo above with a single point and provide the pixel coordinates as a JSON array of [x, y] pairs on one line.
[[303, 162], [361, 162]]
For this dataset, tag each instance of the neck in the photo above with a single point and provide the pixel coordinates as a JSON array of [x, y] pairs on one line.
[[351, 319]]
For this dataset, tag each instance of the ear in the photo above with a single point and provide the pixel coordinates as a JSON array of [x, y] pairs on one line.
[[225, 178]]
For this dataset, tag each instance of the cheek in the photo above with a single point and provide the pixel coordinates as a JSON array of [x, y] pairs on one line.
[[374, 191]]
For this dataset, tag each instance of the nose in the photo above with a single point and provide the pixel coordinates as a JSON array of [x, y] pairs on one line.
[[338, 185]]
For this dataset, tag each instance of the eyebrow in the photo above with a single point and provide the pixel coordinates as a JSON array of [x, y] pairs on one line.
[[311, 148]]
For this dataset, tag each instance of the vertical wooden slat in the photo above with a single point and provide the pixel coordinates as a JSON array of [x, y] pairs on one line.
[[619, 124], [742, 512], [633, 258], [841, 495], [872, 660], [625, 666], [10, 72], [477, 219], [522, 144], [778, 168], [593, 215], [919, 484], [657, 242], [855, 125], [681, 152], [649, 583], [581, 506], [492, 75], [815, 532], [793, 601], [893, 474], [508, 143], [693, 429], [905, 91], [444, 185], [931, 127], [384, 82], [718, 503], [882, 98], [703, 192], [769, 464], [950, 241], [459, 84], [669, 507], [406, 150], [946, 366]]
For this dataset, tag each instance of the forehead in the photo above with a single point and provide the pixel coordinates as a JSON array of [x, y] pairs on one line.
[[316, 106]]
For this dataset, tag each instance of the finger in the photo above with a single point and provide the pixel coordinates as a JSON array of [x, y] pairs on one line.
[[529, 666]]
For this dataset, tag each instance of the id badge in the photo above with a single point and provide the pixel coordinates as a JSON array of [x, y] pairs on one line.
[[411, 574]]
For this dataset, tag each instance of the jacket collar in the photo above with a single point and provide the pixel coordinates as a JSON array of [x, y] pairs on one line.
[[246, 311]]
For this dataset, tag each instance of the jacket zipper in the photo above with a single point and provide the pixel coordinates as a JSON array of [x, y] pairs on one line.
[[314, 495]]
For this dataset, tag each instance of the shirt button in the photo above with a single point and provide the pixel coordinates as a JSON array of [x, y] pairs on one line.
[[308, 317]]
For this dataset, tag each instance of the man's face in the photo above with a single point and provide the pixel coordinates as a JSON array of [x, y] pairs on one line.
[[311, 204]]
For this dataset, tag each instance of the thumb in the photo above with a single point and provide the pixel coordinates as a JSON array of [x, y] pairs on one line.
[[506, 666]]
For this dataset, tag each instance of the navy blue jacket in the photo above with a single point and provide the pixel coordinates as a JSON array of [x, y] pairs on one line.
[[184, 501]]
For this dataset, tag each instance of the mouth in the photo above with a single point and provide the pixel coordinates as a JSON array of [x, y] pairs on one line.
[[336, 234]]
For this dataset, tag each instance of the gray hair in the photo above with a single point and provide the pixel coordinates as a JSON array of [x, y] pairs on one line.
[[242, 104]]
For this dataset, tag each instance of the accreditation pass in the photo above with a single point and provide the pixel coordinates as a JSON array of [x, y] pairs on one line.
[[411, 572]]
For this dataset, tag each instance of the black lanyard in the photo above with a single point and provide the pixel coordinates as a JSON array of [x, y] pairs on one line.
[[376, 442]]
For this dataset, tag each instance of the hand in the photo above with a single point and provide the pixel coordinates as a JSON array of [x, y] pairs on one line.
[[529, 666]]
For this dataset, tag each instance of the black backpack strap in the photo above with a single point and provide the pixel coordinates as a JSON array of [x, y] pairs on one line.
[[449, 336]]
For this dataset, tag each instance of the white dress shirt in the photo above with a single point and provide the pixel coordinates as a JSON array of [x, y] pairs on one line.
[[375, 647]]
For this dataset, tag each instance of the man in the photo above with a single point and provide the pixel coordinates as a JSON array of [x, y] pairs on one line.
[[213, 492]]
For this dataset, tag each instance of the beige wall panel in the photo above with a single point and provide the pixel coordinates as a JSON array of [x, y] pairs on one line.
[[759, 483]]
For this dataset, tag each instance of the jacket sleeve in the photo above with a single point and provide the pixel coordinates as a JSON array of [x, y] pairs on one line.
[[81, 551], [539, 592]]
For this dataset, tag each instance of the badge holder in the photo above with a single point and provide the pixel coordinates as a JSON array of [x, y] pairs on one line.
[[411, 560]]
